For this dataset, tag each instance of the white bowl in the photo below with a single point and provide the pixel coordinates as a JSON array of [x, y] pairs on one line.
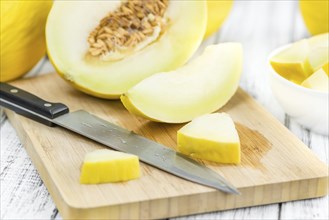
[[307, 106]]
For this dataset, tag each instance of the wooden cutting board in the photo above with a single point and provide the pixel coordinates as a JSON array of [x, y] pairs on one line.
[[276, 166]]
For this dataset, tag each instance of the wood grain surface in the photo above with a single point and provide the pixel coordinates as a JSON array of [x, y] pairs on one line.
[[276, 166]]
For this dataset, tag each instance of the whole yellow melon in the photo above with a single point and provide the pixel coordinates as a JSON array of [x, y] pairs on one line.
[[218, 11], [22, 36], [315, 15]]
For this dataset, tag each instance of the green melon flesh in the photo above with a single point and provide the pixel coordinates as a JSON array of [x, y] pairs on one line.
[[70, 23]]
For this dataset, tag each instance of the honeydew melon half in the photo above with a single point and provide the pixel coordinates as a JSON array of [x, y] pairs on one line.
[[202, 86], [174, 39]]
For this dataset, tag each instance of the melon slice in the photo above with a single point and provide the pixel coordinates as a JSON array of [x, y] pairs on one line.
[[202, 86], [211, 137], [318, 57], [320, 40], [105, 47], [102, 166], [326, 68], [318, 81], [293, 63], [319, 51]]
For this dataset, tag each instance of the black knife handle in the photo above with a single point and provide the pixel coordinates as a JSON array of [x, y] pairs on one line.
[[29, 105]]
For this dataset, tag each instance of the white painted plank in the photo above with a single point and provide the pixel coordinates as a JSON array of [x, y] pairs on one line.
[[306, 209], [23, 194], [254, 213]]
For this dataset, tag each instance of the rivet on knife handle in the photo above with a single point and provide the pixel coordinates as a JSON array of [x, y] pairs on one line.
[[25, 103]]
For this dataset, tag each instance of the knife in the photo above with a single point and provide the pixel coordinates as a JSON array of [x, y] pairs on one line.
[[111, 135]]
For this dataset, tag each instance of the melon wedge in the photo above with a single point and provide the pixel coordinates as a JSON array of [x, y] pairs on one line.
[[293, 63], [318, 57], [320, 40], [70, 24], [202, 86], [102, 166], [211, 137], [326, 68], [317, 81], [319, 51]]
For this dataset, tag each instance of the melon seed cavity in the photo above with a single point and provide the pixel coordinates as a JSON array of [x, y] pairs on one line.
[[134, 25]]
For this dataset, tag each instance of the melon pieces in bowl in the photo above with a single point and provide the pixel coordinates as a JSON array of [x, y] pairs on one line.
[[300, 81], [298, 61]]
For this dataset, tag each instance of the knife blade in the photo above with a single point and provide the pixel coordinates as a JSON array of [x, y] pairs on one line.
[[111, 135]]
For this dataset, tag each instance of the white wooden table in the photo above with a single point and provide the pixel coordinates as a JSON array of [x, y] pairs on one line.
[[260, 26]]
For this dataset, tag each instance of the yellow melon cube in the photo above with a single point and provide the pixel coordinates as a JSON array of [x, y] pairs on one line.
[[102, 166], [211, 137]]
